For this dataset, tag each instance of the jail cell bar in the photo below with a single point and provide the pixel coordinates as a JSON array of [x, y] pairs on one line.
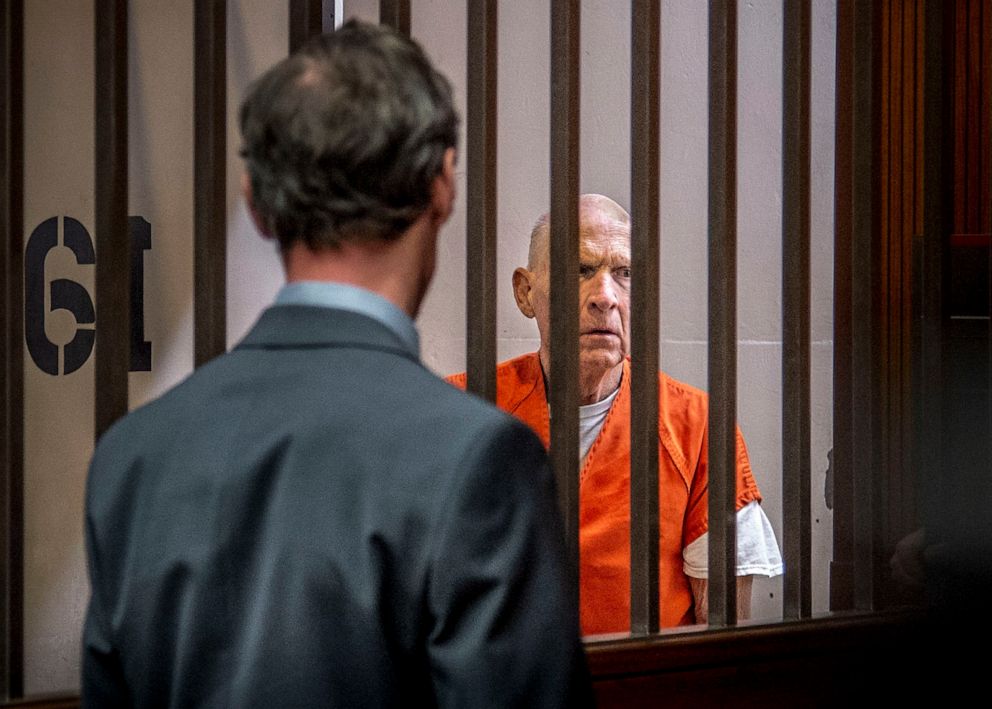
[[210, 180], [12, 374]]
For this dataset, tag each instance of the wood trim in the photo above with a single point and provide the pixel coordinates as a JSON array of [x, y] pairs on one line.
[[823, 662], [45, 701]]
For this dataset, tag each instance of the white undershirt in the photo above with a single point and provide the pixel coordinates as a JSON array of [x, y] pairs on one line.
[[757, 550], [591, 420]]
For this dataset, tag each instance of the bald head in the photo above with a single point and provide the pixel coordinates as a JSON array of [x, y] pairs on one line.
[[596, 211], [604, 293]]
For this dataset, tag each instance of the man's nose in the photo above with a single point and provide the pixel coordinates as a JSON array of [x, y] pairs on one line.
[[602, 293]]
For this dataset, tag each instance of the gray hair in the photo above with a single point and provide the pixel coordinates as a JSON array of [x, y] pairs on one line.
[[343, 139]]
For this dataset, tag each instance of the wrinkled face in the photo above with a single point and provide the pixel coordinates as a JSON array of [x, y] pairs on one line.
[[604, 295]]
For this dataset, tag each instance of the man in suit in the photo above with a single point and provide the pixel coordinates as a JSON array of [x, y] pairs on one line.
[[315, 519]]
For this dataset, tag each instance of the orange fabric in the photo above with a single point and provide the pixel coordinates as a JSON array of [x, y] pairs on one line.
[[604, 490]]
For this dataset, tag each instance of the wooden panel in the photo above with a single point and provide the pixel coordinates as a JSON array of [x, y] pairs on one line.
[[113, 267], [839, 661], [826, 662], [722, 317], [210, 181], [12, 373], [898, 218], [645, 131], [564, 236], [480, 231]]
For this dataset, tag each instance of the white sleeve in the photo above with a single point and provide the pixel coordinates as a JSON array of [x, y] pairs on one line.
[[757, 550]]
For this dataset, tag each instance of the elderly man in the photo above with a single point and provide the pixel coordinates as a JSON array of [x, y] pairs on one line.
[[314, 519], [604, 420]]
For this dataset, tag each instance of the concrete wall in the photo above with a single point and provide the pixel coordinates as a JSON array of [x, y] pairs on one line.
[[59, 181]]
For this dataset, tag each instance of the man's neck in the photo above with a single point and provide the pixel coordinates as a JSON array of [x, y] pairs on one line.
[[593, 387], [391, 269]]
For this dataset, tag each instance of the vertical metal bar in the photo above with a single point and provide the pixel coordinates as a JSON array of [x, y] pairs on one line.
[[843, 456], [480, 245], [564, 236], [210, 181], [12, 386], [113, 267], [927, 399], [645, 88], [863, 149], [984, 218], [305, 20], [722, 355], [797, 596], [396, 14]]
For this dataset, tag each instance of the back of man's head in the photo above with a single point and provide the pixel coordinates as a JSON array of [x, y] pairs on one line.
[[343, 139]]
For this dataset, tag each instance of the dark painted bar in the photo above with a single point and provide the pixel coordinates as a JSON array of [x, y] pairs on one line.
[[113, 267], [12, 386], [722, 354], [863, 148], [797, 591], [645, 358], [480, 247], [841, 490], [396, 14], [564, 236], [210, 181], [305, 20], [928, 451]]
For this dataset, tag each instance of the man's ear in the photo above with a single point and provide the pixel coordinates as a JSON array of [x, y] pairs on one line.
[[256, 218], [521, 290], [443, 189]]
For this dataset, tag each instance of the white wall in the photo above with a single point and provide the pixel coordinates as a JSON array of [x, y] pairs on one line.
[[59, 170]]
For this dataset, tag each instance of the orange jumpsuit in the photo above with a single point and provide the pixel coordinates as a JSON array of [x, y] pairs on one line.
[[604, 490]]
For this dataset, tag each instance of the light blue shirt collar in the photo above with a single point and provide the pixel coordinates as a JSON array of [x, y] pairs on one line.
[[357, 300]]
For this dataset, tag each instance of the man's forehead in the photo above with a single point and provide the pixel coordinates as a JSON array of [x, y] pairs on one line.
[[604, 228], [604, 238]]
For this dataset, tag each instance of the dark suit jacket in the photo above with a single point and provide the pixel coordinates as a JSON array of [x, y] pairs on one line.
[[314, 519]]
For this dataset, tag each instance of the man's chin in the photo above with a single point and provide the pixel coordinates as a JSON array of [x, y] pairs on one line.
[[599, 361]]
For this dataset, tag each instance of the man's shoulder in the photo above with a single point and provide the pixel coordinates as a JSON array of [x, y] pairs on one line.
[[681, 392], [682, 414], [524, 367]]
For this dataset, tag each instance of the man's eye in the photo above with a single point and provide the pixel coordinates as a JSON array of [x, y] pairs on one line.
[[586, 271], [623, 272]]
